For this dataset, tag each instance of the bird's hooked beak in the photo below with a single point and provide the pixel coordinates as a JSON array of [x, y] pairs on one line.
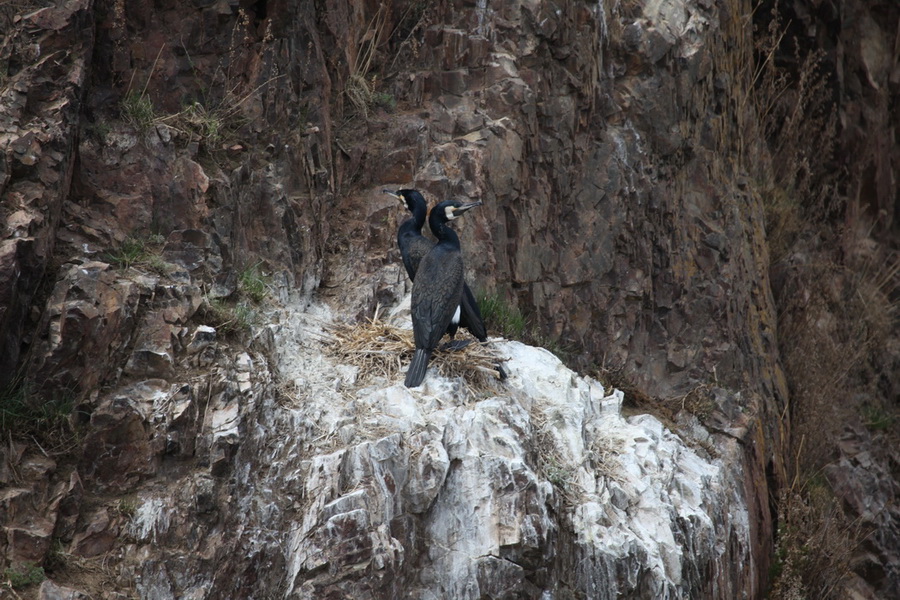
[[395, 195], [462, 208]]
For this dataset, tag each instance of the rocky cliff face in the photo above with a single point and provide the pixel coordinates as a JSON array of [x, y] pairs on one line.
[[160, 160]]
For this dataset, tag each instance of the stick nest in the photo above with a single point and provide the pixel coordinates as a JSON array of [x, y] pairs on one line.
[[381, 349]]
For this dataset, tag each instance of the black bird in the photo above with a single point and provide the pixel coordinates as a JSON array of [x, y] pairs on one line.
[[414, 246], [437, 289]]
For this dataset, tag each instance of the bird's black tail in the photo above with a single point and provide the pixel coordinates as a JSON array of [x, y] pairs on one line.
[[416, 372]]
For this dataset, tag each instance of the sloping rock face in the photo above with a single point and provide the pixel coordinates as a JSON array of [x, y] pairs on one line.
[[618, 214]]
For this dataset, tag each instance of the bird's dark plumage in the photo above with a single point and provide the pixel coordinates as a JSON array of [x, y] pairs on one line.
[[437, 288], [414, 246]]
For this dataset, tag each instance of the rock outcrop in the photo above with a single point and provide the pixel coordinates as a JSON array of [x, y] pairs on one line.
[[540, 487]]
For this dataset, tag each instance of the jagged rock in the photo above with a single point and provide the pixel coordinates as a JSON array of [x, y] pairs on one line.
[[182, 421], [202, 337], [119, 449], [153, 355], [427, 473], [38, 121], [66, 502], [50, 590], [28, 523], [861, 479], [193, 249], [97, 537], [29, 540], [85, 328]]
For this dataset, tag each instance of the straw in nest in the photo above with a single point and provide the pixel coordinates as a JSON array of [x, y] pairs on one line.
[[381, 349]]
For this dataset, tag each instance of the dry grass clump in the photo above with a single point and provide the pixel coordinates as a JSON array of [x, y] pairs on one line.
[[548, 461], [377, 348], [815, 544], [380, 349], [834, 329], [360, 86]]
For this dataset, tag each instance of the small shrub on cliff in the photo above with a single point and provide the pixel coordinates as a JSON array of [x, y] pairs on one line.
[[359, 87], [138, 251], [137, 110], [385, 101], [876, 417], [127, 507], [254, 283], [27, 415], [23, 575], [213, 125], [127, 254], [500, 316], [791, 95], [229, 319], [814, 546]]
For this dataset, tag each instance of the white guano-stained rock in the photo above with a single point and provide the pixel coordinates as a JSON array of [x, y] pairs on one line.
[[540, 489]]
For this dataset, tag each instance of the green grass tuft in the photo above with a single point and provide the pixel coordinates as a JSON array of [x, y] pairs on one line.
[[229, 319], [876, 418], [131, 251], [139, 251], [385, 101], [500, 316], [25, 414], [253, 283], [127, 507], [137, 110]]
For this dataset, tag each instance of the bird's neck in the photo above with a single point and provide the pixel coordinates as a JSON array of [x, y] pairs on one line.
[[419, 211], [443, 233], [409, 227], [413, 225]]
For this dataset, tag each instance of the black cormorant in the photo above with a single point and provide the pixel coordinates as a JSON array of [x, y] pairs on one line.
[[414, 246], [438, 287]]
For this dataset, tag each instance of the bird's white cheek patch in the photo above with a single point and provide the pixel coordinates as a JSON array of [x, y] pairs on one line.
[[448, 210]]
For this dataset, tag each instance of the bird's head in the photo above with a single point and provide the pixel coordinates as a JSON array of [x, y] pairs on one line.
[[408, 198], [453, 209]]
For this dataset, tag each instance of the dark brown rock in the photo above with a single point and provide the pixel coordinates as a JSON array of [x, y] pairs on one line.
[[119, 449], [97, 537], [38, 121], [66, 502], [154, 353], [86, 327]]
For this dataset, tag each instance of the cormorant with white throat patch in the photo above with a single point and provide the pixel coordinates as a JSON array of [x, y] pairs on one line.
[[414, 246], [437, 288]]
